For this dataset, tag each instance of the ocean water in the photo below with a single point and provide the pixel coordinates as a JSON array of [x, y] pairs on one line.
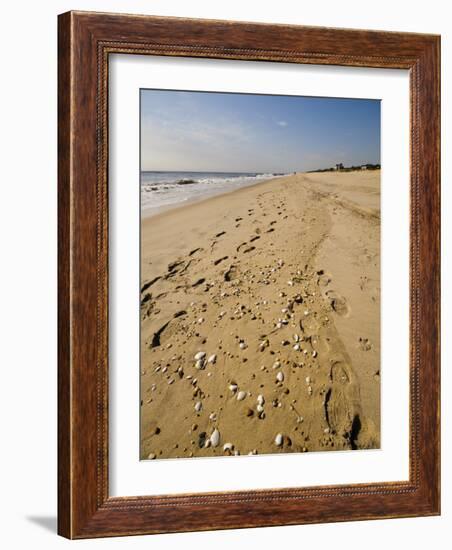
[[167, 189]]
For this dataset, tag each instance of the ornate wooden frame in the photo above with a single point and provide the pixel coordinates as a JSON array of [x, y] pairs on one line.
[[85, 508]]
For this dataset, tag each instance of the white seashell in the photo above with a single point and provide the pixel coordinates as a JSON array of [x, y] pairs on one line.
[[260, 408], [326, 431], [200, 355], [199, 364], [296, 347], [241, 395], [280, 376], [151, 456], [233, 387], [164, 369], [308, 379], [260, 399], [198, 406], [310, 390], [215, 438], [276, 365], [279, 440], [242, 345], [212, 359], [207, 443], [213, 416], [296, 337], [228, 447], [201, 320], [314, 354]]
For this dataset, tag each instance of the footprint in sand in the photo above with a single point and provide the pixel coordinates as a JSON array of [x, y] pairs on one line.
[[364, 344], [231, 274], [324, 278], [338, 303], [338, 407], [216, 262]]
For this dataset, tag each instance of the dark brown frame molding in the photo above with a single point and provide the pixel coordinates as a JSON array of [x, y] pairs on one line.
[[85, 41]]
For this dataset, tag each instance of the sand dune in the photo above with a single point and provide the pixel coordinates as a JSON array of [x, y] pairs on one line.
[[260, 317]]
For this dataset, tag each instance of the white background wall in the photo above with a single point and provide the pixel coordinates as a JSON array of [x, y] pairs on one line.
[[28, 122]]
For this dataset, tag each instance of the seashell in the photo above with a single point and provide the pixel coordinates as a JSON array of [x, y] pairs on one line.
[[326, 431], [314, 354], [233, 387], [242, 345], [212, 359], [260, 399], [280, 376], [241, 395], [200, 320], [207, 443], [215, 438], [164, 369], [296, 347], [260, 408], [308, 379], [279, 440], [310, 390], [198, 406], [296, 338], [276, 364], [200, 355], [199, 364], [228, 447], [151, 456]]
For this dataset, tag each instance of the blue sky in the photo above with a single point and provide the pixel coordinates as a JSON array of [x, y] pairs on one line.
[[202, 131]]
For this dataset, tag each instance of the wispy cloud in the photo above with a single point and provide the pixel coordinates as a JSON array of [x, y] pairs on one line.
[[282, 123]]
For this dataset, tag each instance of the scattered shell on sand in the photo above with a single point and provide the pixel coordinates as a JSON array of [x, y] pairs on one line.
[[326, 431], [228, 447], [276, 364], [241, 395], [212, 359], [242, 345], [198, 406], [296, 347], [280, 376], [200, 364], [308, 379], [260, 399], [260, 408], [279, 440], [200, 355], [151, 456], [314, 354], [233, 387], [215, 438]]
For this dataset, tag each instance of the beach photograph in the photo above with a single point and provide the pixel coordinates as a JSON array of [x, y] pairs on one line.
[[260, 274]]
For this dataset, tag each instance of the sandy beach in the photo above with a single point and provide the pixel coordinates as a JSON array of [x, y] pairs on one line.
[[260, 320]]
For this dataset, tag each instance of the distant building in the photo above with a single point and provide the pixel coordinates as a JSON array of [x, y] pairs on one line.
[[339, 166]]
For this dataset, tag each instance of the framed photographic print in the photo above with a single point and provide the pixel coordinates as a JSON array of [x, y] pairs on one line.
[[248, 275]]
